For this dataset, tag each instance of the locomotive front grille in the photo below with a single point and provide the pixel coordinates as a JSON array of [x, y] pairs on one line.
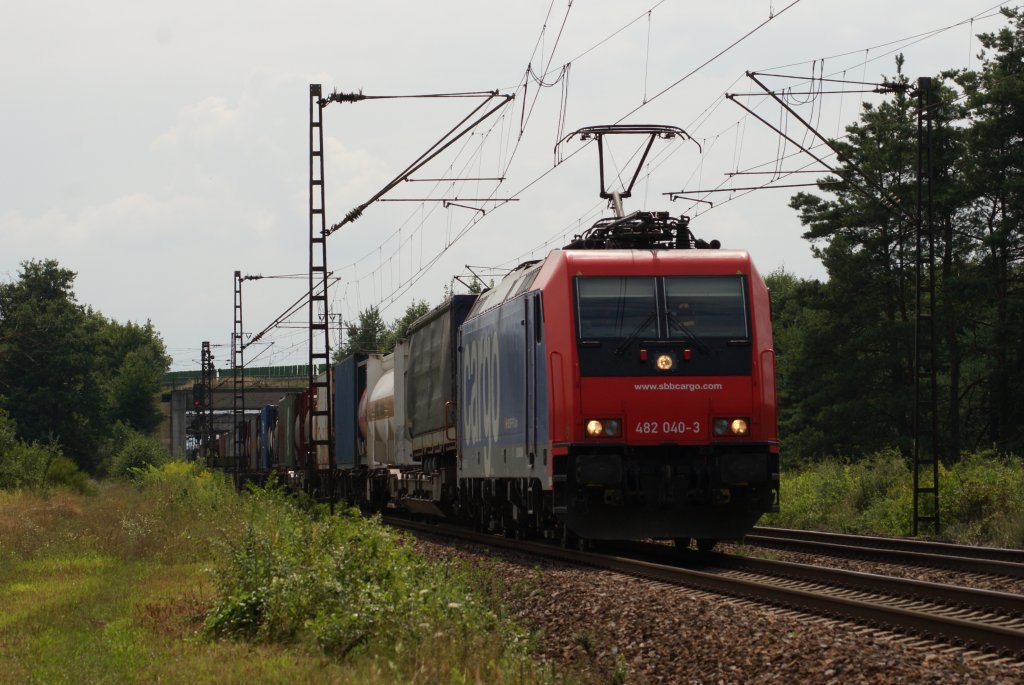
[[667, 476], [621, 492]]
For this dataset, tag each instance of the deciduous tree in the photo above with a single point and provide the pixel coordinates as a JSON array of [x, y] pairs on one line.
[[66, 372]]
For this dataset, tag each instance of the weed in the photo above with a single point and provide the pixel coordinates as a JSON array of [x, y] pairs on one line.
[[63, 472], [585, 641], [620, 671], [340, 583]]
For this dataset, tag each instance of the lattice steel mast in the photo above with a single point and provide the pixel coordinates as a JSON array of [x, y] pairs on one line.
[[238, 379], [926, 417], [321, 425]]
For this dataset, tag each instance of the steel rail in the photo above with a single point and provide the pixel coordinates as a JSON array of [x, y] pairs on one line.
[[877, 612], [909, 544], [1005, 604], [943, 555]]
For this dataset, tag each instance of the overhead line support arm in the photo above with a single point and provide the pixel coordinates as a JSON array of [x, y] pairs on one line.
[[800, 147], [884, 198], [432, 152]]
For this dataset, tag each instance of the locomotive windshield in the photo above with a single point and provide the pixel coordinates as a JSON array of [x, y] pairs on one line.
[[617, 307], [619, 316], [706, 307]]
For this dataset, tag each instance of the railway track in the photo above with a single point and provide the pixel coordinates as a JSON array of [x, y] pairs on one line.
[[942, 555], [980, 619]]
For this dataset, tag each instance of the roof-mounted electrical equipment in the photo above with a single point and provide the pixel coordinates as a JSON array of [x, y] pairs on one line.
[[641, 231]]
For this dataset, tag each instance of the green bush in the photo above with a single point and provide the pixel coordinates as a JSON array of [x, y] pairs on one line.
[[343, 582], [881, 494], [188, 486], [63, 472], [133, 452], [23, 465], [808, 497], [981, 498], [867, 496]]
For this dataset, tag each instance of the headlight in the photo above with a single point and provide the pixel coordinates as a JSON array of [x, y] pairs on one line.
[[731, 427], [604, 428], [664, 362]]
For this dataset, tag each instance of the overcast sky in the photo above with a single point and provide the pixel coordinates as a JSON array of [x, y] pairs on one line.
[[155, 149]]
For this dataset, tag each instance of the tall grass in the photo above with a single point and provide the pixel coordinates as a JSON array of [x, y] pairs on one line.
[[981, 498], [168, 515], [350, 587], [175, 577]]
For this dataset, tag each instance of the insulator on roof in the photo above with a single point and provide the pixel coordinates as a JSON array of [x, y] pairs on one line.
[[640, 231]]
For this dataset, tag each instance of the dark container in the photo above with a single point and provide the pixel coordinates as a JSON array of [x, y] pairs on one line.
[[285, 445], [346, 402], [430, 380]]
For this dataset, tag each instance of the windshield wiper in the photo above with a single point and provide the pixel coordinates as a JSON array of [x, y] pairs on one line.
[[635, 334], [672, 319]]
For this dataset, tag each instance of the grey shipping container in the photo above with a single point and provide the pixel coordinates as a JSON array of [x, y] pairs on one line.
[[430, 383]]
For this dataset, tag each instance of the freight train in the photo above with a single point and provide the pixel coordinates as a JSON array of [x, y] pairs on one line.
[[623, 387]]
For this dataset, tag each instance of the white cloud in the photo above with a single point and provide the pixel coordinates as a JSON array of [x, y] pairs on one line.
[[201, 123]]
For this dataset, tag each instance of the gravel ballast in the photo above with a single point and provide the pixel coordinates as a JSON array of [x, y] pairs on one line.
[[607, 627]]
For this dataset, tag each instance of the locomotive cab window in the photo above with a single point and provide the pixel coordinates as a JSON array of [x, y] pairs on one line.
[[616, 307], [696, 325], [706, 307]]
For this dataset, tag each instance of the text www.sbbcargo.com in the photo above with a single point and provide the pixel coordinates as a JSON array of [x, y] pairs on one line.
[[666, 385]]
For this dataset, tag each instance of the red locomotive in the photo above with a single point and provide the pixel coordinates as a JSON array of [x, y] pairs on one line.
[[622, 388]]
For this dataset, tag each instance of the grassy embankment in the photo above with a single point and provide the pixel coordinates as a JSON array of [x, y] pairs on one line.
[[981, 498], [179, 579]]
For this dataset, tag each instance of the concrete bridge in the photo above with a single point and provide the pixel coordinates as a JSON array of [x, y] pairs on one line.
[[178, 415]]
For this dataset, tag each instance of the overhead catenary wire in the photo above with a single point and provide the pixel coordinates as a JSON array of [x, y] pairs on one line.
[[475, 221], [882, 195], [611, 35], [392, 297], [826, 154], [904, 42], [423, 218], [718, 102], [288, 312], [711, 59], [355, 213]]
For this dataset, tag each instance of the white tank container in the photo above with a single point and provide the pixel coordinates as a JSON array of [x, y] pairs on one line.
[[380, 419]]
